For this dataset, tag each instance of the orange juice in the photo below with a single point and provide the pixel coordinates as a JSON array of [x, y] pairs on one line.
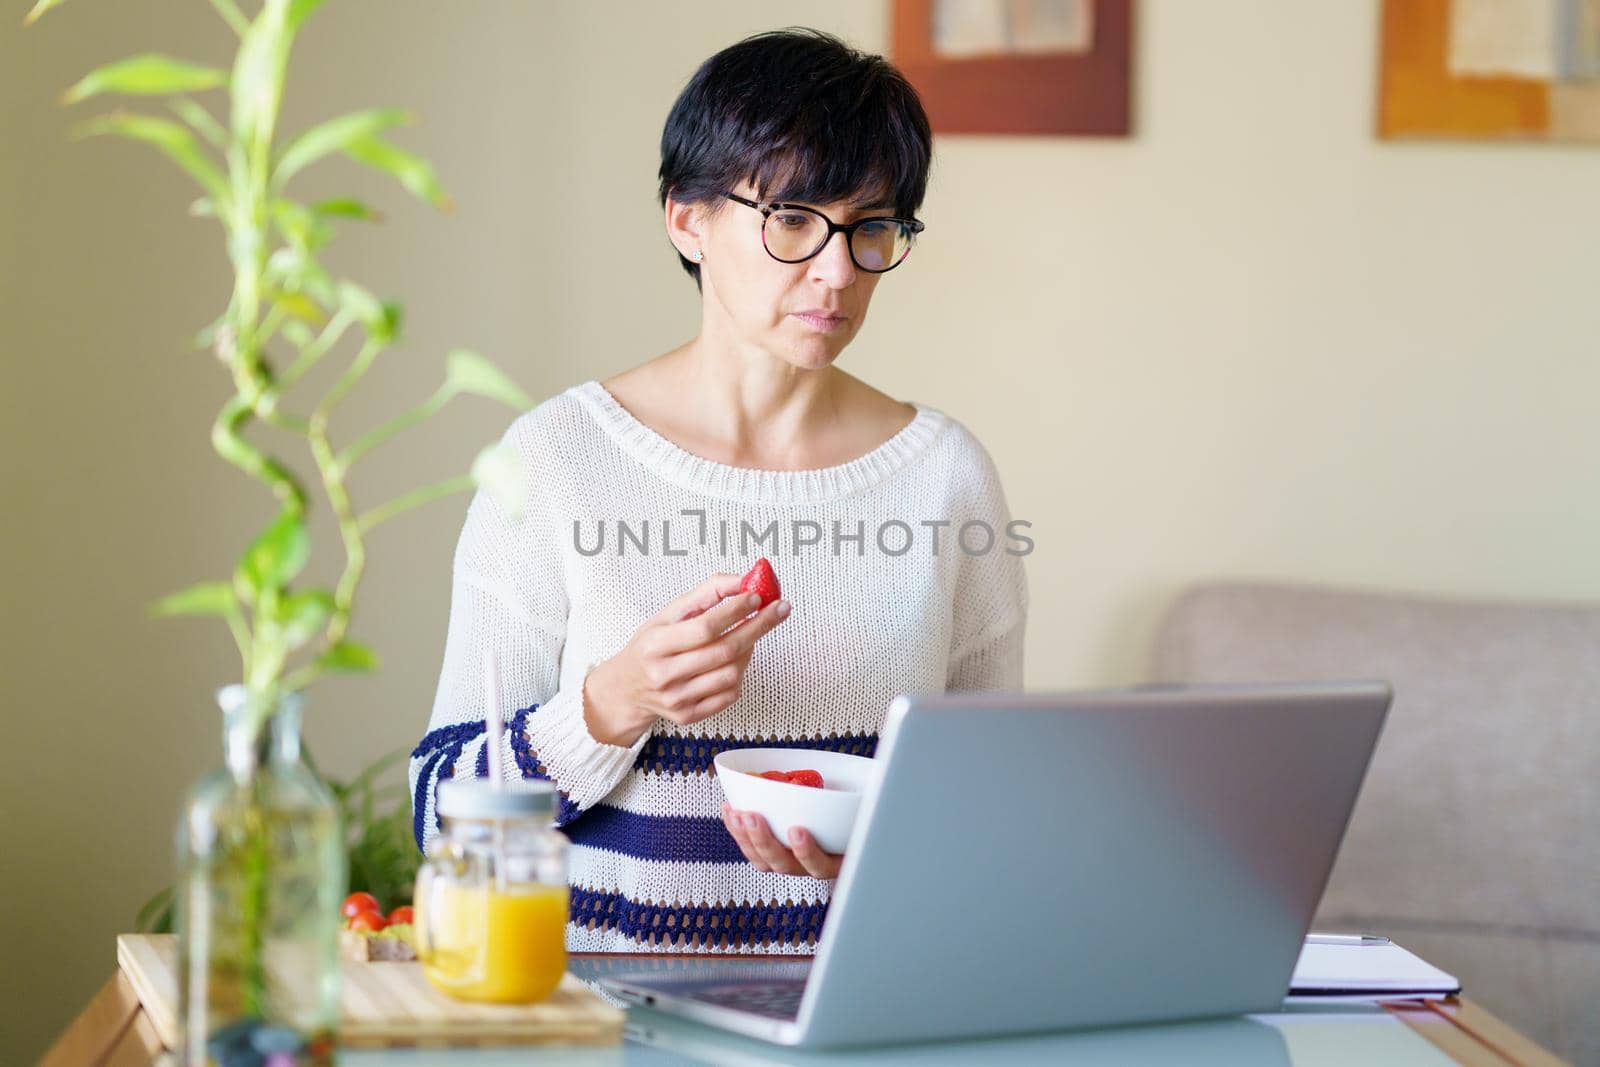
[[509, 947]]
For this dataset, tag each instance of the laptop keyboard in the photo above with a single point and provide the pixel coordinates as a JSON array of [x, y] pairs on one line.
[[770, 1000]]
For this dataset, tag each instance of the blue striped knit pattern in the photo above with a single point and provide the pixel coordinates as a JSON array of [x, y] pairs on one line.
[[678, 838], [442, 747], [693, 755], [672, 838], [788, 924], [528, 763]]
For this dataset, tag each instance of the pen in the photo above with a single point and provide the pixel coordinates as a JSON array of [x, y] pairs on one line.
[[1346, 939]]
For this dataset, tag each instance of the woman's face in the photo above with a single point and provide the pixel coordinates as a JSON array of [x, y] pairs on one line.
[[764, 303]]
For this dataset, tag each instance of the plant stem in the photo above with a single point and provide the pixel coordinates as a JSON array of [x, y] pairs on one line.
[[241, 349], [313, 352], [421, 413], [355, 552], [232, 15], [347, 381], [231, 446], [241, 638], [302, 677], [270, 324], [283, 420], [415, 499], [252, 955]]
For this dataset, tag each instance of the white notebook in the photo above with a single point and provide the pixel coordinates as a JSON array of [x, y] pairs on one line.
[[1367, 972]]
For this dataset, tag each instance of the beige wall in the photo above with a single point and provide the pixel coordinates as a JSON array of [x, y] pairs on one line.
[[1249, 341]]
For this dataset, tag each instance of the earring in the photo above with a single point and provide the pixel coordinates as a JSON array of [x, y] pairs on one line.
[[699, 255]]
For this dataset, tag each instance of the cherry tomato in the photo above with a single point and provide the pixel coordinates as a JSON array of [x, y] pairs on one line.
[[402, 914], [807, 778], [776, 776], [359, 902], [370, 921]]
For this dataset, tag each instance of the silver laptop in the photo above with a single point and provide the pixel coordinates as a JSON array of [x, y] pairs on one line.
[[1043, 861]]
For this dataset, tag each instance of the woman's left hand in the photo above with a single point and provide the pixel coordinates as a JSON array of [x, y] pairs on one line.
[[766, 853]]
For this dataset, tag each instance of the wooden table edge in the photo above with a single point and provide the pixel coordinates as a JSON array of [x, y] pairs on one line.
[[106, 1025], [113, 1028], [1470, 1034]]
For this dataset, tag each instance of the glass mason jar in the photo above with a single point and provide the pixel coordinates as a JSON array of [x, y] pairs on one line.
[[491, 897], [261, 872]]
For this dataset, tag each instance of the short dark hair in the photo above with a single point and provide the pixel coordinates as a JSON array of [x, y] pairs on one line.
[[802, 116]]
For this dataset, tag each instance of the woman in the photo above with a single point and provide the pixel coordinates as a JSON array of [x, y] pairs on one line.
[[791, 169]]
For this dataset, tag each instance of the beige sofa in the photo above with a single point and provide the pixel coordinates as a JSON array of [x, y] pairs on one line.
[[1476, 839]]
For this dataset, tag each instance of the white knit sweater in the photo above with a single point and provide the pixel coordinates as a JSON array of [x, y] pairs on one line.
[[918, 602]]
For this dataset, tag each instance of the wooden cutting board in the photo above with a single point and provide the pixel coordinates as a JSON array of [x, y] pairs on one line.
[[391, 1004]]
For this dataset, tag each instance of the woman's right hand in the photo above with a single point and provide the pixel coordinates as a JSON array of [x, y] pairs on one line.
[[683, 664]]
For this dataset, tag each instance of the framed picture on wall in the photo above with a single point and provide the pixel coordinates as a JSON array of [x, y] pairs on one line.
[[1018, 66], [1490, 70]]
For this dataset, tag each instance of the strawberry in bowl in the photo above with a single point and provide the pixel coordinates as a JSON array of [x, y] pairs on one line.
[[805, 776], [823, 800]]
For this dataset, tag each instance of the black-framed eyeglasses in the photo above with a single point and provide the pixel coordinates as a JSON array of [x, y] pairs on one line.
[[793, 233]]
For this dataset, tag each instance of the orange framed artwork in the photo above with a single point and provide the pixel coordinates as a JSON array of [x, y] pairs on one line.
[[1018, 66], [1490, 70]]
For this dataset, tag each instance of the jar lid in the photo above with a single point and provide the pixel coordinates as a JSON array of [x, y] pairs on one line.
[[477, 798]]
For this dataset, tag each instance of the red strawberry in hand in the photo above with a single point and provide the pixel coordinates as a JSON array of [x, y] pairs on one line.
[[762, 581]]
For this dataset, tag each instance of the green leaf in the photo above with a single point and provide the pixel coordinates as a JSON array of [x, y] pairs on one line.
[[348, 656], [300, 10], [200, 120], [301, 307], [207, 598], [413, 172], [499, 472], [229, 12], [298, 333], [283, 264], [155, 917], [468, 372], [334, 135], [203, 208], [145, 75], [207, 335], [300, 226], [383, 856], [39, 9], [389, 325], [173, 139], [303, 615], [360, 303], [373, 770], [313, 280], [293, 220], [276, 556], [381, 319], [256, 85], [292, 269], [346, 208]]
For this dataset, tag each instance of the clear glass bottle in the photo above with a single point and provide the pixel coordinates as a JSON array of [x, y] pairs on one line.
[[261, 873], [491, 897]]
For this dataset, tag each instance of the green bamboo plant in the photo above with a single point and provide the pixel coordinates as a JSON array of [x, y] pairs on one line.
[[286, 314]]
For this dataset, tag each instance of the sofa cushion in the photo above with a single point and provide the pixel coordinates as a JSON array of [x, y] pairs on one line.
[[1477, 832]]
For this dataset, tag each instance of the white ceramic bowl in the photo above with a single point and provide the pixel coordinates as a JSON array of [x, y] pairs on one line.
[[827, 813]]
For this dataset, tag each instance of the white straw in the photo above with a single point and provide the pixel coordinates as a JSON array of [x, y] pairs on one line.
[[495, 730], [496, 726]]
